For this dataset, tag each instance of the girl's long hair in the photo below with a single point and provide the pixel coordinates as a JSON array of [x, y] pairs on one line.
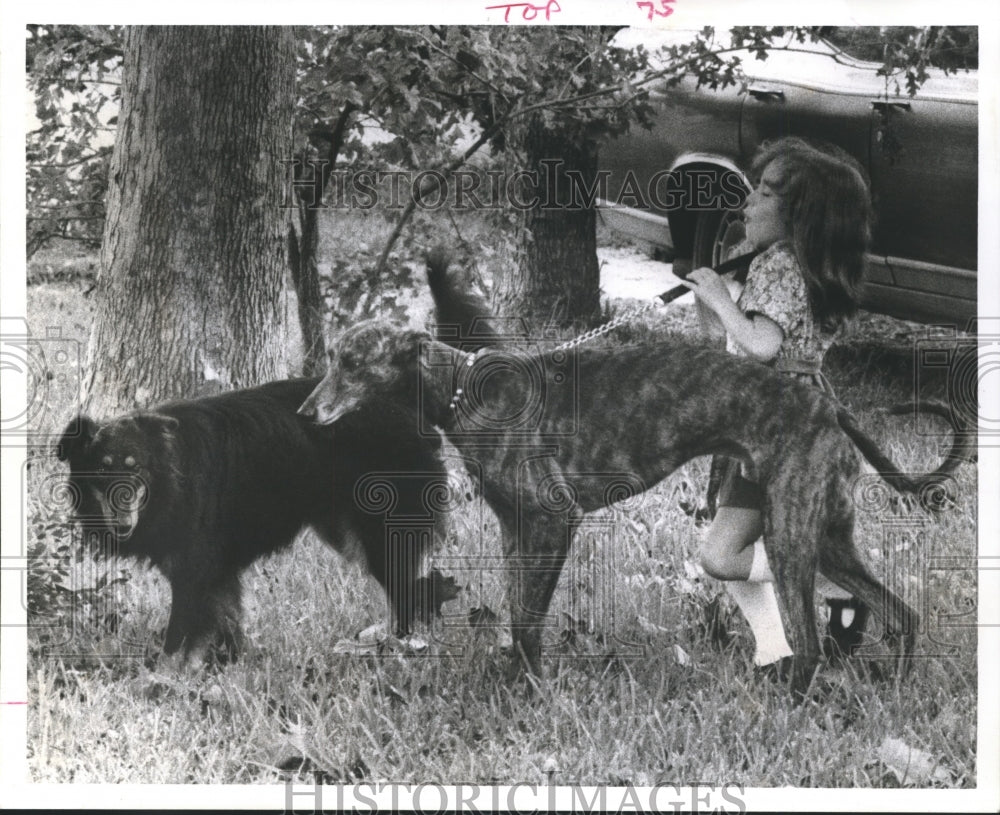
[[827, 202]]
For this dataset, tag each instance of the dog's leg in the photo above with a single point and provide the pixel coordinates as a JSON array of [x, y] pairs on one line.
[[535, 559], [795, 597], [204, 614], [792, 557], [228, 611], [182, 614], [404, 553]]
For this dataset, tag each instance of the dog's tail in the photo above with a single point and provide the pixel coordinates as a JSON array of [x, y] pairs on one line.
[[924, 484], [462, 316]]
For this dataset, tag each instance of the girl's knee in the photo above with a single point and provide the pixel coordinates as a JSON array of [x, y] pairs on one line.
[[711, 562], [717, 560], [724, 552]]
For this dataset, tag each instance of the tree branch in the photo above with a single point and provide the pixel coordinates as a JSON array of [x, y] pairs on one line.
[[419, 194], [67, 164]]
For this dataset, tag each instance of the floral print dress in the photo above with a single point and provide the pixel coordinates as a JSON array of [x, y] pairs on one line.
[[776, 289]]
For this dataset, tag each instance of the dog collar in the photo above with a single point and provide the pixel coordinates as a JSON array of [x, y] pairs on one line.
[[470, 359]]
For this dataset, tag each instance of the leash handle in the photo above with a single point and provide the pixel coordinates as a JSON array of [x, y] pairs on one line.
[[739, 266]]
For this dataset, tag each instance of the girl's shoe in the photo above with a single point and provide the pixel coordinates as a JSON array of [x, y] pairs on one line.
[[845, 628]]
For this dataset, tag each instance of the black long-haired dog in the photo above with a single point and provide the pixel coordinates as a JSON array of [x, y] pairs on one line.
[[201, 488]]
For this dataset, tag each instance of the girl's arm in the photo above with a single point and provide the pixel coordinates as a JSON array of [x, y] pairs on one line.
[[710, 324], [758, 335]]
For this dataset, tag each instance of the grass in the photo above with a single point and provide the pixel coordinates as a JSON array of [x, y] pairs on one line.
[[638, 690]]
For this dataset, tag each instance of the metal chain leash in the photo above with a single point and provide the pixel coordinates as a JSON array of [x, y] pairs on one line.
[[611, 325], [586, 336]]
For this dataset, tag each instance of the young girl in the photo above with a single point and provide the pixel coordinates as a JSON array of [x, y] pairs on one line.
[[809, 215]]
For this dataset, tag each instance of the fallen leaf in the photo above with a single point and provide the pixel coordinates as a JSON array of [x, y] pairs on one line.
[[353, 647], [692, 570], [482, 617], [393, 694], [649, 627], [413, 643], [372, 635], [685, 586], [912, 767], [433, 591]]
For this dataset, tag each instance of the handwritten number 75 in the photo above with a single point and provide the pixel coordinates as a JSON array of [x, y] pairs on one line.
[[649, 6]]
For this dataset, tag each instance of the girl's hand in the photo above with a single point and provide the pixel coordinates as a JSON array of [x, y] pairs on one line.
[[759, 336], [709, 288]]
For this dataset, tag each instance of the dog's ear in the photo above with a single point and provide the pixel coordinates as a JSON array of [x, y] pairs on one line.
[[424, 353], [157, 442], [157, 425], [76, 438], [438, 260], [168, 424]]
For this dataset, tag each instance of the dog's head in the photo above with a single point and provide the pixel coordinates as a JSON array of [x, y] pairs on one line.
[[116, 465], [369, 361]]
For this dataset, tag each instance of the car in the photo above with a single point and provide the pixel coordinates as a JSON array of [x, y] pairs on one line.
[[678, 186]]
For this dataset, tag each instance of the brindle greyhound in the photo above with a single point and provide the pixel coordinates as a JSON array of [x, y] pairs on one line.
[[547, 428]]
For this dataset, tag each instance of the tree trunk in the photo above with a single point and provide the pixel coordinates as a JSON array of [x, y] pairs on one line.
[[302, 246], [193, 260], [311, 180], [550, 276]]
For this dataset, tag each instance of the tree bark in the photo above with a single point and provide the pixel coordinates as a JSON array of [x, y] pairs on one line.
[[302, 247], [193, 259], [550, 276]]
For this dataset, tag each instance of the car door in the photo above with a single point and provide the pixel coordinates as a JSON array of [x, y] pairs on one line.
[[924, 170]]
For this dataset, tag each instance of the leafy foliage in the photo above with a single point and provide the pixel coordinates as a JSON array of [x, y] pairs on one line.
[[48, 572], [74, 73], [357, 292], [54, 593], [952, 48]]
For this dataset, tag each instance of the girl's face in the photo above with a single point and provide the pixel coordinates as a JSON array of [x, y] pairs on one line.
[[764, 214]]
